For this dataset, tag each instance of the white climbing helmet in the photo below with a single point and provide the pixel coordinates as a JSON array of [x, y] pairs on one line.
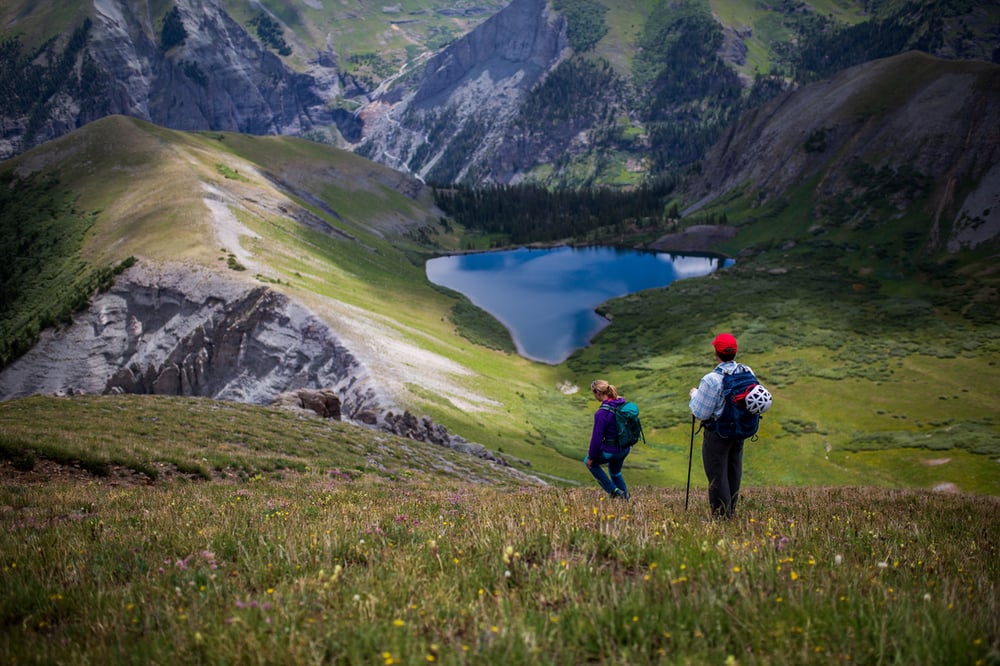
[[758, 400]]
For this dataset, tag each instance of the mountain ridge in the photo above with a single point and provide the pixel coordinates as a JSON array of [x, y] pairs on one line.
[[930, 122], [211, 310], [219, 69]]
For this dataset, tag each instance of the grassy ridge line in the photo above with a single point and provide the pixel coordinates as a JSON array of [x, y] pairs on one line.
[[209, 439], [320, 567], [149, 186]]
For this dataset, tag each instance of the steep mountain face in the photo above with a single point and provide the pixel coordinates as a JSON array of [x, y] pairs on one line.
[[456, 114], [491, 108], [899, 130], [221, 78], [216, 76], [523, 40]]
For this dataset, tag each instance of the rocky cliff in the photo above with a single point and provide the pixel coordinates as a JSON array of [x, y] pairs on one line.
[[189, 332], [903, 129], [218, 77], [513, 48], [467, 95]]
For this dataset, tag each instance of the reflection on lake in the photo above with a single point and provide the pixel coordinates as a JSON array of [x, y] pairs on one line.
[[546, 298]]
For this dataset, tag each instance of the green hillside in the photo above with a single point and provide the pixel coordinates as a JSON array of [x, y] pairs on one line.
[[359, 257], [877, 381], [163, 439]]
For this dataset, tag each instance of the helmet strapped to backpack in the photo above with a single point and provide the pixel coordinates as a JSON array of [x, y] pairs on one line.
[[758, 400], [740, 417]]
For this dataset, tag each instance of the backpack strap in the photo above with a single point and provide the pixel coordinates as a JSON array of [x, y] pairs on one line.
[[614, 440], [739, 367]]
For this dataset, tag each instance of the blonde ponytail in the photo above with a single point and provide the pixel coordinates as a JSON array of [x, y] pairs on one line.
[[601, 387]]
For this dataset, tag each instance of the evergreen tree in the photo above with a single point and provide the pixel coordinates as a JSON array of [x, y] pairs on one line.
[[173, 32]]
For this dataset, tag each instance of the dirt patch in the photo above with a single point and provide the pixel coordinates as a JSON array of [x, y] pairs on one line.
[[696, 238], [48, 471]]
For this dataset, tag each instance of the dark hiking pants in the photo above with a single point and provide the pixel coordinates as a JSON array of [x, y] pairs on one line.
[[723, 460]]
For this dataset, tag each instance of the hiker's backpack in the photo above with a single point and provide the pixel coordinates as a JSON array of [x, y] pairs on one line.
[[736, 420], [629, 426]]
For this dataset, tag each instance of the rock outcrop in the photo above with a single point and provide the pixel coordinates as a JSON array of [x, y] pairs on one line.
[[191, 332], [696, 238], [425, 430], [323, 402], [242, 86]]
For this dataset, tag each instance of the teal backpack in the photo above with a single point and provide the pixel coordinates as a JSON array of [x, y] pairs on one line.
[[629, 426]]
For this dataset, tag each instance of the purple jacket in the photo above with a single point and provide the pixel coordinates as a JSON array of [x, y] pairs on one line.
[[604, 427]]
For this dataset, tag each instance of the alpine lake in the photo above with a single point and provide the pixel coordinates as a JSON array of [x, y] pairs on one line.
[[547, 297]]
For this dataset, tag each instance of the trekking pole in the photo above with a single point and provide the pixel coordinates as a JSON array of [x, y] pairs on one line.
[[687, 493]]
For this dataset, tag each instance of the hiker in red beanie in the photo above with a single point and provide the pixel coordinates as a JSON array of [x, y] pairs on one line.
[[721, 452]]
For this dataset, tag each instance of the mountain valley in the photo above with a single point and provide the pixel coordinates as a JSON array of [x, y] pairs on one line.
[[861, 209]]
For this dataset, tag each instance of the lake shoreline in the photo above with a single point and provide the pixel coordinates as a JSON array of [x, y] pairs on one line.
[[697, 240], [548, 297]]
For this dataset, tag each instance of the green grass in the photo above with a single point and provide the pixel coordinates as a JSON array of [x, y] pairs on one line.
[[399, 35], [880, 381], [232, 174], [480, 328], [35, 23], [44, 279], [624, 19], [209, 439], [769, 27], [321, 566], [851, 369]]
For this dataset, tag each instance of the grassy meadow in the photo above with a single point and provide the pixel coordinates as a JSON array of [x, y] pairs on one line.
[[328, 563], [162, 530], [212, 532]]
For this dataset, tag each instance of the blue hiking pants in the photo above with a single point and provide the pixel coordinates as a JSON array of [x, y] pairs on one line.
[[614, 461]]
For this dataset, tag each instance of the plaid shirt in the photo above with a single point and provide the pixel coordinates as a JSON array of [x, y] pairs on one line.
[[707, 402]]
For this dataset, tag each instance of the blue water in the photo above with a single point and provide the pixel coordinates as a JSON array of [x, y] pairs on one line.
[[546, 298]]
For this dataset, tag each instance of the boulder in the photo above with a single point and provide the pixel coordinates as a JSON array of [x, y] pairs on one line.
[[324, 402]]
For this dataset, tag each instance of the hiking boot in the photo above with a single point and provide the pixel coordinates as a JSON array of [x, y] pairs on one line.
[[620, 494]]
